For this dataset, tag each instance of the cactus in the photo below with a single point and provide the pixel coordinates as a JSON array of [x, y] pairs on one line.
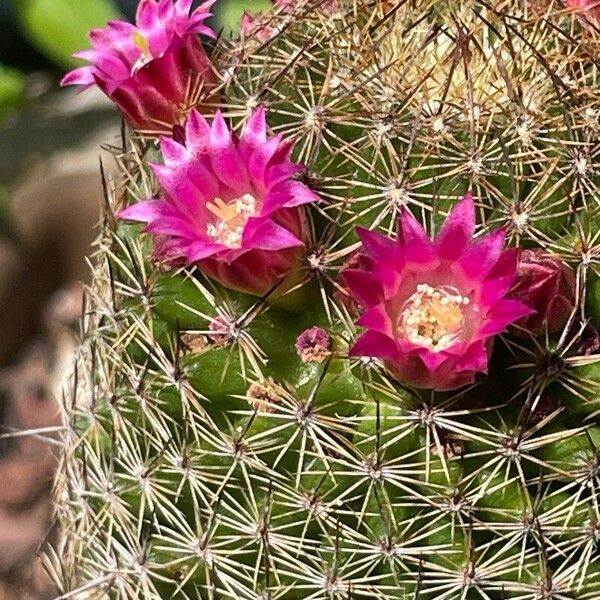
[[229, 445]]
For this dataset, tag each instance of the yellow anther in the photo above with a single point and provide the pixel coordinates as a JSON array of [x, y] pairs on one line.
[[142, 44], [231, 219], [433, 317]]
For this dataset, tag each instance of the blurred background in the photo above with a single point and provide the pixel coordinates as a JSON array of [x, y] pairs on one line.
[[50, 198]]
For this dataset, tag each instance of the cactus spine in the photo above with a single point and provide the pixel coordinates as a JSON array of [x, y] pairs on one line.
[[207, 460]]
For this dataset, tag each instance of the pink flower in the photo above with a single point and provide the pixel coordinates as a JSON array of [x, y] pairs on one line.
[[154, 70], [547, 285], [256, 25], [433, 307], [259, 26], [592, 6], [585, 9], [230, 204]]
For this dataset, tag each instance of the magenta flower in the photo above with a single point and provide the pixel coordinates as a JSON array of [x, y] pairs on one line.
[[260, 25], [434, 306], [585, 6], [153, 70], [587, 11], [256, 25], [546, 284], [230, 204]]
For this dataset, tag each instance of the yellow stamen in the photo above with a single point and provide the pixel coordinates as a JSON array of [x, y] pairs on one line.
[[231, 219], [433, 317], [142, 43]]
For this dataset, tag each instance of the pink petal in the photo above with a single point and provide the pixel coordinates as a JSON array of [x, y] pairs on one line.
[[378, 246], [506, 266], [264, 234], [502, 315], [300, 194], [375, 345], [364, 285], [377, 319], [89, 55], [229, 167], [197, 132], [187, 186], [478, 261], [148, 211], [255, 130], [219, 137], [80, 76], [183, 7], [166, 10], [172, 152], [120, 28], [199, 250], [418, 248], [475, 357], [288, 195], [196, 26], [258, 157], [493, 290], [458, 229], [147, 15], [277, 172], [432, 360], [171, 226]]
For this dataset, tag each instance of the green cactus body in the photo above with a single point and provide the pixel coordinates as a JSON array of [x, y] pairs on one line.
[[206, 460]]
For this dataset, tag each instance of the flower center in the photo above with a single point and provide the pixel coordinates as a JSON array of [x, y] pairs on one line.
[[231, 219], [433, 317]]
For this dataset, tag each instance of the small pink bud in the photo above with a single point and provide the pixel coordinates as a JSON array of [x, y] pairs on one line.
[[314, 345], [547, 285]]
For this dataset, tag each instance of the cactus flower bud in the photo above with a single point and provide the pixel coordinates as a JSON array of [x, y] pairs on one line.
[[590, 341], [155, 70], [229, 204], [261, 25], [252, 25], [433, 307], [314, 345], [547, 285]]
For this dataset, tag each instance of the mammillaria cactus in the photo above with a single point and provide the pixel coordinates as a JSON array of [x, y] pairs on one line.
[[354, 403]]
